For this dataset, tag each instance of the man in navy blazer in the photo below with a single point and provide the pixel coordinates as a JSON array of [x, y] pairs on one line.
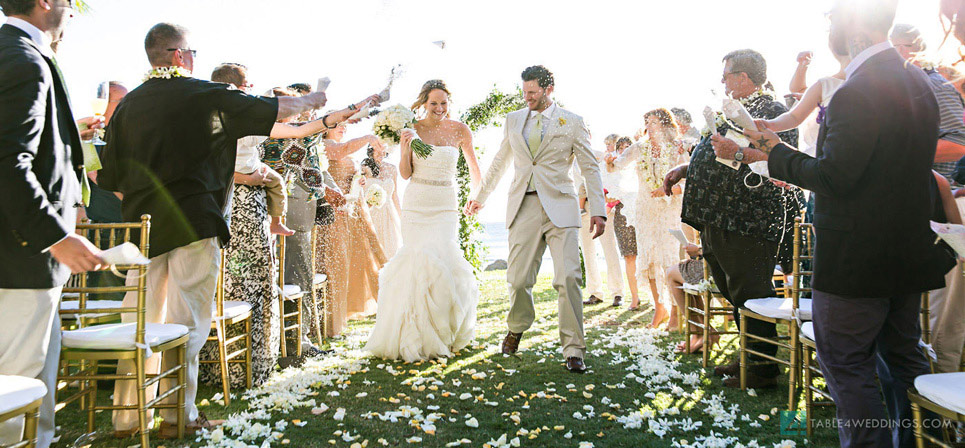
[[875, 253], [41, 175]]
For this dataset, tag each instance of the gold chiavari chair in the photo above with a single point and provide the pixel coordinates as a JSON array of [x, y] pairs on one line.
[[782, 311], [811, 371], [700, 316], [135, 341], [21, 397], [294, 295], [227, 314], [319, 292], [943, 394]]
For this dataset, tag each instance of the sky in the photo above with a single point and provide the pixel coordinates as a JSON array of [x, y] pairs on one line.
[[612, 60]]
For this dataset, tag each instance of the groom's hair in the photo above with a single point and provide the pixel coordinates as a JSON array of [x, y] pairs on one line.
[[540, 74]]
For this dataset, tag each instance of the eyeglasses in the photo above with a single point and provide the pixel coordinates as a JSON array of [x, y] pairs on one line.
[[194, 53], [723, 78]]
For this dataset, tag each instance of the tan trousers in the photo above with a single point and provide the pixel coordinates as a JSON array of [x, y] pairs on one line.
[[946, 309], [529, 236], [614, 272], [180, 290], [30, 347], [277, 199]]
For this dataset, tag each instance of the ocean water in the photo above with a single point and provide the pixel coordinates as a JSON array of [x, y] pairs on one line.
[[496, 239]]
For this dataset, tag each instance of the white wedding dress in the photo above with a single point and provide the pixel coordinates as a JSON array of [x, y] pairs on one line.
[[427, 292]]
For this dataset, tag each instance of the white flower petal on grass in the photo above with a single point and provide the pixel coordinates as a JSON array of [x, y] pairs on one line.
[[586, 444], [465, 396], [361, 395], [339, 414], [751, 392], [472, 423]]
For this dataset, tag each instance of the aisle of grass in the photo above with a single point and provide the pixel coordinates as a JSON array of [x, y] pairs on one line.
[[480, 394]]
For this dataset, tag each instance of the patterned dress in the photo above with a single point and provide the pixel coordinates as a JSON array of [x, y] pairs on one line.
[[250, 273]]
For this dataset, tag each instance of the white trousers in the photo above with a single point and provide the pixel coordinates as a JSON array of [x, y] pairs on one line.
[[30, 347], [180, 290], [614, 272], [946, 309]]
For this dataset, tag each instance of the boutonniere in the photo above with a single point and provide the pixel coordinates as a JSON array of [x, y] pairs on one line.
[[562, 121]]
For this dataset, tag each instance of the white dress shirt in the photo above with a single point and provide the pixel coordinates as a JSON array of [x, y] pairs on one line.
[[863, 57], [35, 34], [531, 121]]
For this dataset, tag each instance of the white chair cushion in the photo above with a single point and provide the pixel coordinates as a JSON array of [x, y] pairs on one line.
[[320, 278], [807, 329], [19, 391], [291, 290], [121, 336], [74, 305], [778, 308], [70, 295], [944, 389], [234, 309]]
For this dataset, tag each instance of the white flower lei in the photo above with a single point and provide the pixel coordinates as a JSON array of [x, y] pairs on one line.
[[167, 73], [653, 168], [757, 94]]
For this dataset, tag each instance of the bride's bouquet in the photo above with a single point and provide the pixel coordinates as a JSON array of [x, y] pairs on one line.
[[389, 124], [375, 196]]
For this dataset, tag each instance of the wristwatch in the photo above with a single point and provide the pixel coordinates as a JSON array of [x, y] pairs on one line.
[[352, 106], [739, 155]]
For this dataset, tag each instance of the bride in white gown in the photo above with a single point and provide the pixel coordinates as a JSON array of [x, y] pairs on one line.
[[428, 292]]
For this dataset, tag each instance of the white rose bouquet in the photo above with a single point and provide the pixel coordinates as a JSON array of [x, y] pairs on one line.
[[389, 124], [375, 196]]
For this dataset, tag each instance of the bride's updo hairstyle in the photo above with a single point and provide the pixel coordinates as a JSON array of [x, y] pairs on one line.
[[428, 87]]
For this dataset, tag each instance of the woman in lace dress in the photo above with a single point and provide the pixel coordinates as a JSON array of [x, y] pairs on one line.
[[386, 217], [654, 214], [428, 291]]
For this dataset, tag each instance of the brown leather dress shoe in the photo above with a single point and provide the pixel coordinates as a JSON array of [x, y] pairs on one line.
[[170, 430], [511, 342], [575, 365], [753, 382], [732, 369], [593, 300]]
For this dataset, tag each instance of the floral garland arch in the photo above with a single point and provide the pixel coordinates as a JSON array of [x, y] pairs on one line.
[[489, 112]]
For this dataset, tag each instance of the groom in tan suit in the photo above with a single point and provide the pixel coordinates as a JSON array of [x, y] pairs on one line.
[[543, 210]]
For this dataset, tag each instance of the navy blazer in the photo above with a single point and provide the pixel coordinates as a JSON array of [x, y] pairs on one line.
[[871, 182], [41, 162]]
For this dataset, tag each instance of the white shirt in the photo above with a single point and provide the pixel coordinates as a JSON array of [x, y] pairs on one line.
[[531, 121], [247, 160], [863, 57], [35, 34]]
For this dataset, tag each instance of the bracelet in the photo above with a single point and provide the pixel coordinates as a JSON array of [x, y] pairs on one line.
[[325, 117]]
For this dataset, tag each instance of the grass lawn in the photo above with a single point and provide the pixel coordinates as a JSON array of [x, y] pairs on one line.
[[635, 390]]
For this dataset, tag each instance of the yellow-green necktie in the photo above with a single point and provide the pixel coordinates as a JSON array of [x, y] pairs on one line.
[[84, 182], [536, 135], [535, 138]]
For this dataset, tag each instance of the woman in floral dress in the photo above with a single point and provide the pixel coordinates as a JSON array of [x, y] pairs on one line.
[[654, 214]]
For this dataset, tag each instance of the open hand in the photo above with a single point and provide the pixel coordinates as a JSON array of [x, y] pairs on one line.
[[804, 57], [597, 226]]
